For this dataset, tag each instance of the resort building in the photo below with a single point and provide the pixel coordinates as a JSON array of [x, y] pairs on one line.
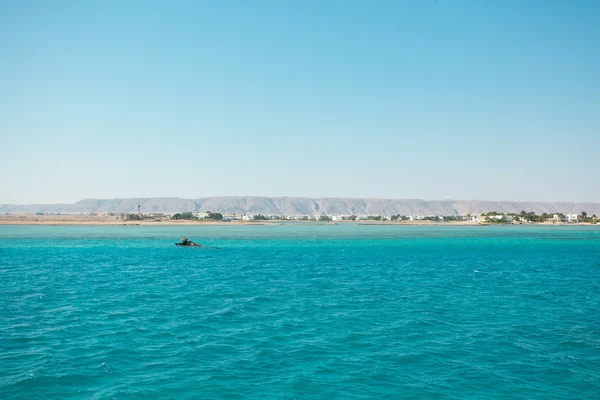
[[572, 217]]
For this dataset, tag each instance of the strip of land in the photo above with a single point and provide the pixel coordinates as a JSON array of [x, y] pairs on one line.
[[114, 221]]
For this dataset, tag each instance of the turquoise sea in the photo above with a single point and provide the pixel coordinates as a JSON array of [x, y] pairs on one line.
[[300, 312]]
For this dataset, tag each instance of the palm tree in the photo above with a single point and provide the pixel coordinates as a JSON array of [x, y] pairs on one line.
[[545, 216], [523, 215]]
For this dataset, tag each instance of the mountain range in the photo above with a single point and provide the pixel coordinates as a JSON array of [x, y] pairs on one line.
[[301, 206]]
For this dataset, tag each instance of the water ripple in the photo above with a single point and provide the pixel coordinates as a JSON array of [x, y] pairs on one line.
[[300, 312]]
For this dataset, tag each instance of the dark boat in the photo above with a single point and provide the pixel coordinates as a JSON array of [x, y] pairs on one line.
[[186, 242]]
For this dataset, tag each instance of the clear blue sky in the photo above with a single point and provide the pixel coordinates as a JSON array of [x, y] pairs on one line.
[[490, 100]]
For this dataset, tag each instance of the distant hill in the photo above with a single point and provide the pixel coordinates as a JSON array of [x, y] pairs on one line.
[[301, 206]]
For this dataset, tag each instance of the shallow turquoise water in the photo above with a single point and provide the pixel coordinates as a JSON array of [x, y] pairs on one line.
[[302, 311]]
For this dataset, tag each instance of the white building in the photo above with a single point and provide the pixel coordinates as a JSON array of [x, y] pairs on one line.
[[571, 217], [479, 219], [565, 218]]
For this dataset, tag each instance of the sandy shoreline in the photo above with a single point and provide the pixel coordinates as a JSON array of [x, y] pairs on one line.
[[232, 223], [100, 221], [122, 223]]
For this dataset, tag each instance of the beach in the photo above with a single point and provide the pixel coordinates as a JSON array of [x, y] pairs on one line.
[[29, 219], [113, 221]]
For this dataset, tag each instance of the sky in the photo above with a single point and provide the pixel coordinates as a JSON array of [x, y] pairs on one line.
[[455, 99]]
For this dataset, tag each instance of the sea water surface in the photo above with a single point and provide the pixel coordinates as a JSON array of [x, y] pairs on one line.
[[300, 311]]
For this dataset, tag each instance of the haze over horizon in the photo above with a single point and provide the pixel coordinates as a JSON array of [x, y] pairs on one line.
[[395, 100], [84, 199]]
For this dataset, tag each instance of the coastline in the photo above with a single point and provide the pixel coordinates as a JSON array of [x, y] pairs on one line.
[[120, 223], [100, 221]]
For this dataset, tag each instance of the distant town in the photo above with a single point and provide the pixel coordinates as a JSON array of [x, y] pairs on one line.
[[492, 217]]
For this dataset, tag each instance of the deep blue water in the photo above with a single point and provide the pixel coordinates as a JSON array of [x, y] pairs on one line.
[[301, 311]]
